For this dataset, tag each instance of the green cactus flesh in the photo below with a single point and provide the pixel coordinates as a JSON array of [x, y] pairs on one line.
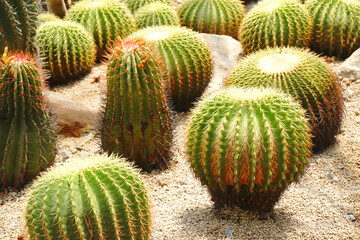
[[248, 145], [275, 23], [135, 5], [156, 14], [47, 17], [105, 19], [212, 16], [97, 197], [66, 49], [336, 29], [187, 59], [137, 121], [303, 75], [27, 139]]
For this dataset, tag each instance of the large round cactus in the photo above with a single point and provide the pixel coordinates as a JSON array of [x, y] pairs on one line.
[[303, 75], [187, 58], [66, 49], [137, 121], [336, 29], [275, 23], [156, 14], [212, 16], [97, 197], [247, 146], [134, 5], [27, 139], [105, 19]]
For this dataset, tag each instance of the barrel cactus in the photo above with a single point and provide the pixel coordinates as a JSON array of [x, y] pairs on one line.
[[97, 197], [18, 22], [187, 58], [156, 14], [27, 139], [135, 5], [66, 49], [46, 17], [248, 145], [105, 19], [336, 29], [212, 16], [303, 75], [137, 121], [275, 23]]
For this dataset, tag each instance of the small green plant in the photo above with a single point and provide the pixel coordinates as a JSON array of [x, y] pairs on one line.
[[27, 139], [47, 17], [247, 146], [97, 197], [134, 5]]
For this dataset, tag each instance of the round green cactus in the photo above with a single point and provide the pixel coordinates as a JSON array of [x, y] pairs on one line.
[[336, 29], [27, 139], [275, 23], [212, 16], [137, 121], [66, 49], [97, 197], [105, 19], [47, 17], [187, 59], [303, 75], [247, 146], [156, 14], [135, 5]]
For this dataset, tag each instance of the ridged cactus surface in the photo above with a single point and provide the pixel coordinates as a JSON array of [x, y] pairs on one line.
[[18, 22], [336, 30], [97, 197], [27, 139], [212, 16], [47, 17], [156, 14], [187, 58], [303, 75], [135, 5], [105, 19], [137, 121], [66, 48], [275, 23], [247, 146]]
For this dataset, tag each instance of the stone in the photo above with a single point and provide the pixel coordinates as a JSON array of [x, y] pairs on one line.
[[65, 155], [350, 68], [228, 233]]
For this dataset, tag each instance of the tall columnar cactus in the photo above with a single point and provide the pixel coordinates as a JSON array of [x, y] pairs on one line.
[[97, 197], [156, 14], [105, 19], [212, 16], [135, 5], [27, 139], [336, 29], [187, 58], [275, 23], [18, 22], [247, 146], [303, 75], [137, 121], [66, 49]]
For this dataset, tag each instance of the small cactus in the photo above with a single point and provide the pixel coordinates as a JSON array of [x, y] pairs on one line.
[[66, 48], [275, 23], [336, 30], [305, 76], [27, 139], [105, 19], [137, 121], [212, 16], [156, 14], [187, 58], [97, 197], [135, 5], [247, 146], [47, 17]]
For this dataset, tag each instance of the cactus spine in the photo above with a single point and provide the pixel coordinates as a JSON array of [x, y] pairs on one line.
[[336, 30], [212, 16], [135, 5], [275, 23], [247, 146], [137, 121], [303, 75], [27, 140], [97, 197], [187, 58], [105, 19]]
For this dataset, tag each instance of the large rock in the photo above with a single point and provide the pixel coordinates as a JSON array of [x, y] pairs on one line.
[[350, 68]]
